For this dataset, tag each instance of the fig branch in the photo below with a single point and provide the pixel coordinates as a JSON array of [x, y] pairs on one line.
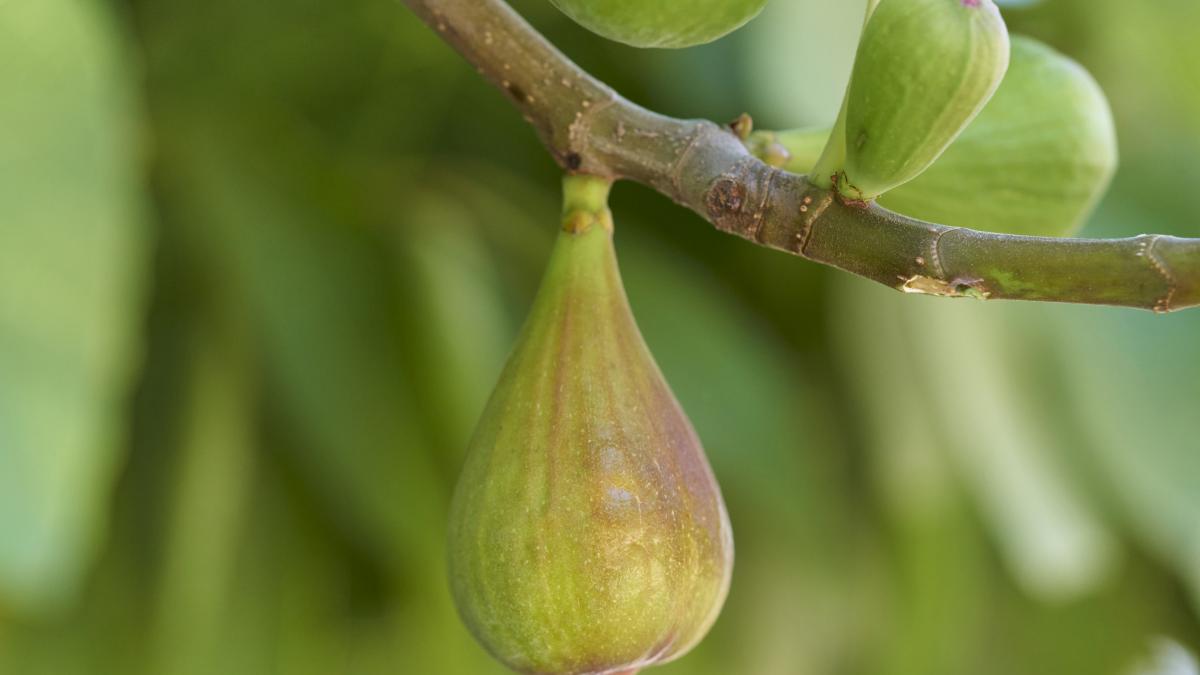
[[590, 129]]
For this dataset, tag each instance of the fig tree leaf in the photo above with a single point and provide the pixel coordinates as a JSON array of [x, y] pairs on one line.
[[71, 271], [1167, 657], [970, 369], [459, 334], [911, 366], [940, 562], [791, 33], [1136, 383], [210, 493], [318, 285]]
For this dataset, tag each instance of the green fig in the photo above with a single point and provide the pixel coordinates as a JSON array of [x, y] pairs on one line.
[[924, 70], [1035, 161], [587, 532], [672, 24]]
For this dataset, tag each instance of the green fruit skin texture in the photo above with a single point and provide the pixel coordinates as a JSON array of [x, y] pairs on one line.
[[672, 24], [587, 532], [1035, 161], [924, 70]]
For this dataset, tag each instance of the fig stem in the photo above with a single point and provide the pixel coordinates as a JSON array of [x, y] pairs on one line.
[[589, 128], [585, 203]]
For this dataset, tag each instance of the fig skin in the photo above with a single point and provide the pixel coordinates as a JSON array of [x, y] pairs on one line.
[[1034, 162], [587, 531], [924, 69], [671, 24]]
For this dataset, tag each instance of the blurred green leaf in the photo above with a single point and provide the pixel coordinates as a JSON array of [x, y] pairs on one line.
[[319, 288], [799, 57], [1135, 381], [210, 492], [968, 362], [965, 400], [71, 256], [939, 570], [379, 217], [1168, 658], [459, 334]]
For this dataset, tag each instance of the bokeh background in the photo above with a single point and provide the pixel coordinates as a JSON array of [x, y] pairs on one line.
[[261, 263]]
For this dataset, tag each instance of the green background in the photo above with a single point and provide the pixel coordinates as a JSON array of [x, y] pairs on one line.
[[261, 263]]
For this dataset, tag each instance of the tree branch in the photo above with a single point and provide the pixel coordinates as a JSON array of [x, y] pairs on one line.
[[590, 129]]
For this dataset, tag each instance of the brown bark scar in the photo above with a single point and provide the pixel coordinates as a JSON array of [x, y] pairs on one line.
[[960, 287], [726, 201]]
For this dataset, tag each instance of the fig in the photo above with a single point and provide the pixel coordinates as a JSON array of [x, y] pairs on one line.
[[924, 69], [671, 24], [1035, 161], [587, 531]]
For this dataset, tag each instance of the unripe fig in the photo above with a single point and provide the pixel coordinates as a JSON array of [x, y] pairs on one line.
[[924, 69], [587, 532], [661, 23], [1035, 161]]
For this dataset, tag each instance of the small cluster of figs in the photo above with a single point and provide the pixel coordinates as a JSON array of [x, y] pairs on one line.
[[588, 534]]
